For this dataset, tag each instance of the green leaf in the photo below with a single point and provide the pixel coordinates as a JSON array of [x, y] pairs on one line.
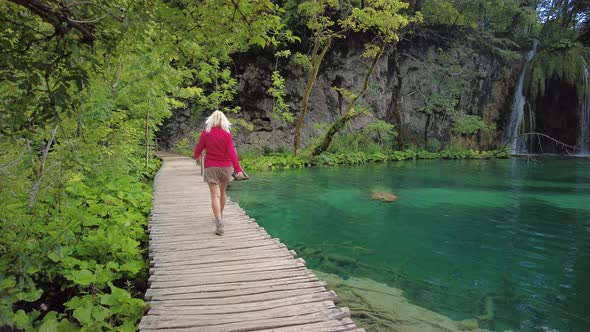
[[22, 320], [257, 40], [54, 257], [133, 266], [31, 296], [65, 326], [84, 313], [83, 277], [7, 283], [50, 322], [100, 313], [129, 326]]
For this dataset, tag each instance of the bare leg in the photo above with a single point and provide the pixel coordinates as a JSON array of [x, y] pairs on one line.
[[222, 197], [215, 200]]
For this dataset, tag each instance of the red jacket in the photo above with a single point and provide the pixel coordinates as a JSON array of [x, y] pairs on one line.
[[220, 149]]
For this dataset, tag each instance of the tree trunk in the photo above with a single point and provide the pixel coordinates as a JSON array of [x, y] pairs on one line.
[[317, 60], [147, 141], [349, 112]]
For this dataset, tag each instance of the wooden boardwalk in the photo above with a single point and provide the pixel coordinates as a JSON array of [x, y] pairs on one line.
[[241, 281]]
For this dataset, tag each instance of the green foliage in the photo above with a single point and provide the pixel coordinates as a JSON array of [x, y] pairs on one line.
[[80, 105], [88, 237], [280, 109], [360, 158], [381, 132], [273, 161], [377, 136], [303, 61], [453, 72], [505, 49], [342, 158], [350, 158], [518, 17], [383, 17], [470, 124], [566, 64], [184, 147], [317, 19]]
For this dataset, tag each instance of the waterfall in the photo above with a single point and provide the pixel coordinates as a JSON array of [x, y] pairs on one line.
[[584, 110], [517, 145]]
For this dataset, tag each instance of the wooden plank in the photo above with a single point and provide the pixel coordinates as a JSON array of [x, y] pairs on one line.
[[176, 281], [252, 311], [245, 325], [224, 258], [236, 292], [241, 281], [246, 317], [163, 251], [256, 266], [256, 301], [345, 324], [242, 285], [220, 252], [225, 265], [290, 270]]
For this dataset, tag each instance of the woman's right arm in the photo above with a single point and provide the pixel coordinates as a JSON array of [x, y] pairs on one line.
[[200, 146]]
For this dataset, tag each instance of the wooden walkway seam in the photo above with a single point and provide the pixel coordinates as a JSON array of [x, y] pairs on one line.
[[242, 281]]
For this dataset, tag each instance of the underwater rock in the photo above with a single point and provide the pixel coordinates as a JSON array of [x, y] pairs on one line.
[[468, 324], [383, 196], [378, 307]]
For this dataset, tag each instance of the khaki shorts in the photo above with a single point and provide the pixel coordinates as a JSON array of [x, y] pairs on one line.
[[218, 174]]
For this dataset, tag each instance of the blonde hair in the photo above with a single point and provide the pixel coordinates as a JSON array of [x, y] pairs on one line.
[[217, 119]]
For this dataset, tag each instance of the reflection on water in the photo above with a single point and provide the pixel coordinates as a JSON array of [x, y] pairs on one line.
[[503, 241]]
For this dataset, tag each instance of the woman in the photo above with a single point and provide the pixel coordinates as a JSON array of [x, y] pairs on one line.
[[221, 155]]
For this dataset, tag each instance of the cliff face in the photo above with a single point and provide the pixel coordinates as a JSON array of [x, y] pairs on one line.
[[490, 96]]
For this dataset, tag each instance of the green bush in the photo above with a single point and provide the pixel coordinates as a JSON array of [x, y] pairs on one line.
[[250, 161], [76, 259], [273, 161]]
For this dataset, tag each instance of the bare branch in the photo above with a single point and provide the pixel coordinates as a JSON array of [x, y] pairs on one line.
[[559, 144], [94, 20], [117, 79], [37, 184]]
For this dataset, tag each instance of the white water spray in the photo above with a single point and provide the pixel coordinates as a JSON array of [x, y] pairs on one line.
[[584, 116], [517, 144]]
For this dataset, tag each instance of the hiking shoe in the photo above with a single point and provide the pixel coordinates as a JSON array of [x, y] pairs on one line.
[[219, 228]]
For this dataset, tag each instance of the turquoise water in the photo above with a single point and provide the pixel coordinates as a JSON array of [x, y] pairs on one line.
[[462, 234]]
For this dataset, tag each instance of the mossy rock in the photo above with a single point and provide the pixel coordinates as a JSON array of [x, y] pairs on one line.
[[468, 325], [384, 196]]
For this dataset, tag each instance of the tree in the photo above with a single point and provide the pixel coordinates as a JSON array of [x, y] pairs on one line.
[[383, 19], [84, 86], [322, 28]]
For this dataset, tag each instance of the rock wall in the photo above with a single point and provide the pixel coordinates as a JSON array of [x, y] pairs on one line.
[[490, 96]]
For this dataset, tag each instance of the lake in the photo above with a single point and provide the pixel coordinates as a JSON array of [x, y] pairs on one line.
[[506, 239]]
